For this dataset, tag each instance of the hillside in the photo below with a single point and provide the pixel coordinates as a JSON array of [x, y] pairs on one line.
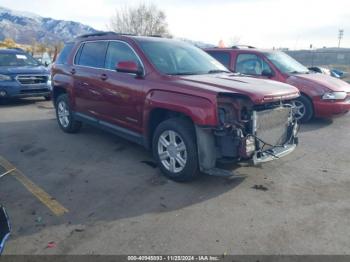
[[25, 28]]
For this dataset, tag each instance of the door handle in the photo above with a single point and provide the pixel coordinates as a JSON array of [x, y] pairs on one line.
[[104, 77], [73, 71]]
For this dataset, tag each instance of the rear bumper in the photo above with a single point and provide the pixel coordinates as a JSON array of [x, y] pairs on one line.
[[329, 109]]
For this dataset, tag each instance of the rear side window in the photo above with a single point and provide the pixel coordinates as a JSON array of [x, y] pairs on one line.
[[63, 57], [117, 52], [222, 57], [93, 54]]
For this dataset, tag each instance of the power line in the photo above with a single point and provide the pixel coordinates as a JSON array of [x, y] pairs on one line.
[[340, 36]]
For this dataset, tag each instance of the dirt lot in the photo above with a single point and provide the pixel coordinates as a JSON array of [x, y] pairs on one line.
[[117, 203]]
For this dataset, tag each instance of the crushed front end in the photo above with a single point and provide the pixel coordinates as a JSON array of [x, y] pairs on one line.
[[248, 132]]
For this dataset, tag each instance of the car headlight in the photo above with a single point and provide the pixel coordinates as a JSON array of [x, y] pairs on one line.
[[5, 78], [334, 96]]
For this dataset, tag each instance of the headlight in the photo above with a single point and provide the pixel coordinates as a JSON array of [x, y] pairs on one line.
[[334, 96], [5, 78], [250, 145]]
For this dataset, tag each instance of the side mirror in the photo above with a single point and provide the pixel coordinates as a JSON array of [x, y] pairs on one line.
[[267, 73], [129, 67]]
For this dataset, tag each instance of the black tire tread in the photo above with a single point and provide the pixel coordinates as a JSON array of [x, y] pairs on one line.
[[74, 125], [186, 129]]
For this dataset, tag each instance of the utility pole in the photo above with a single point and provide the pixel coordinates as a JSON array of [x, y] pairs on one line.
[[340, 36]]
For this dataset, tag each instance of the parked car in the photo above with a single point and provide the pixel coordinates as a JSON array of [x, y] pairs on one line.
[[331, 72], [321, 95], [339, 73], [175, 99], [22, 76], [320, 70]]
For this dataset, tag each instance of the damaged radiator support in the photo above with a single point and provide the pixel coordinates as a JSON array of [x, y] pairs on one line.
[[274, 132], [271, 126]]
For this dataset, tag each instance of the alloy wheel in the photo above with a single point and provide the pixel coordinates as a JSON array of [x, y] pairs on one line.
[[299, 109], [172, 151], [63, 114]]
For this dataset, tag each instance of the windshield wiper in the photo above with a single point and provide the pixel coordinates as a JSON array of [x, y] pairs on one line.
[[300, 72], [185, 73], [215, 71]]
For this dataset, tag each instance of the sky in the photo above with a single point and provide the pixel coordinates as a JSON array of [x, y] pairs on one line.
[[294, 24]]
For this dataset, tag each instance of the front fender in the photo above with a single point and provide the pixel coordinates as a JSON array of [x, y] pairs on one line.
[[201, 110]]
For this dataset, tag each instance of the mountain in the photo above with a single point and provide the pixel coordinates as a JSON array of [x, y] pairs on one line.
[[25, 27]]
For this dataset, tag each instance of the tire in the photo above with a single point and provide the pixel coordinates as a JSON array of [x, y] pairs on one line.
[[304, 110], [65, 116], [47, 98], [180, 160]]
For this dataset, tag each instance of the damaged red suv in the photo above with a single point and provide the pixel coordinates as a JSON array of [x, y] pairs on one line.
[[174, 99], [321, 95]]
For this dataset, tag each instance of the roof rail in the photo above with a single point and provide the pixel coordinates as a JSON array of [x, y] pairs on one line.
[[243, 46], [101, 33]]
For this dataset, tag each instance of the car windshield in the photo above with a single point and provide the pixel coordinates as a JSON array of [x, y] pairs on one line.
[[285, 63], [179, 58], [17, 59]]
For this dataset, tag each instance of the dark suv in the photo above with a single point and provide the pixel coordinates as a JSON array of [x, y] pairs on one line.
[[175, 99], [22, 76]]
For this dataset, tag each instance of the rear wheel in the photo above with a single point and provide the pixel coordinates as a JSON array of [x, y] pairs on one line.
[[303, 109], [65, 116], [175, 149]]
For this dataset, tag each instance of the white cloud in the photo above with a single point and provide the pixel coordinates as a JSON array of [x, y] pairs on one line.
[[268, 23]]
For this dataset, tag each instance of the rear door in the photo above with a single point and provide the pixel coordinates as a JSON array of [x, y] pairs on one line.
[[89, 72]]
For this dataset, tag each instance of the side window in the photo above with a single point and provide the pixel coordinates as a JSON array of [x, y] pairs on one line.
[[93, 54], [63, 56], [222, 57], [250, 64], [117, 52]]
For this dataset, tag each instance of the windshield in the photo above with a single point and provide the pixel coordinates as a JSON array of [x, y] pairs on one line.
[[285, 63], [19, 59], [179, 58]]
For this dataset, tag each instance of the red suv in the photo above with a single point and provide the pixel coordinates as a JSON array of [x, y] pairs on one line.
[[321, 95], [175, 99]]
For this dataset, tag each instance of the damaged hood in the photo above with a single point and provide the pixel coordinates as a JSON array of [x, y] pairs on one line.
[[327, 83], [258, 90]]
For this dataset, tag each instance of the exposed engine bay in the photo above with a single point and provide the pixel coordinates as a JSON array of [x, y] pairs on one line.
[[248, 132]]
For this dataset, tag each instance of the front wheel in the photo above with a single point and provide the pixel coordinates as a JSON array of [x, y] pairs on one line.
[[303, 109], [65, 116], [175, 149]]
